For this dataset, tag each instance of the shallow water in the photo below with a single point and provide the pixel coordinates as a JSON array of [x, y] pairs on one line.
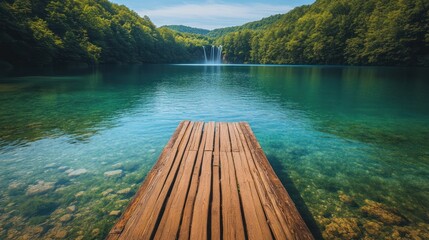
[[351, 144]]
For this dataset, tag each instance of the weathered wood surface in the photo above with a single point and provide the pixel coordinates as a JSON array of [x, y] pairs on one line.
[[212, 181]]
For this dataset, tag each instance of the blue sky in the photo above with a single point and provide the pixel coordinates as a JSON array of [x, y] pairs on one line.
[[209, 14]]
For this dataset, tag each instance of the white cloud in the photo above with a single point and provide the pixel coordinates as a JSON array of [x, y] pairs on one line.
[[212, 15]]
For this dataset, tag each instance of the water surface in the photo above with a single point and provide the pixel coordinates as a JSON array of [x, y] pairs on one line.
[[351, 144]]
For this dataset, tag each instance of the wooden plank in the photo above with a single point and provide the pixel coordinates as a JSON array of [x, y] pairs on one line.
[[255, 220], [210, 137], [274, 222], [232, 221], [233, 137], [285, 209], [141, 224], [216, 226], [120, 224], [200, 214], [199, 229], [225, 143], [189, 211], [269, 194], [170, 220]]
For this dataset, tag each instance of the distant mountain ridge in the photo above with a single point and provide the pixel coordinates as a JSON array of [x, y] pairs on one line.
[[187, 29], [264, 23]]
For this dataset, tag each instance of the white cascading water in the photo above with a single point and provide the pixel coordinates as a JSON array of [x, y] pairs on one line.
[[215, 55], [205, 55], [219, 55]]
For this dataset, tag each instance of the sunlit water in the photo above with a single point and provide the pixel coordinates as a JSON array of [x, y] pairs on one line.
[[350, 144]]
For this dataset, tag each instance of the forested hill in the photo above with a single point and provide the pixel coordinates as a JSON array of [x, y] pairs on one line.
[[46, 32], [264, 23], [371, 32], [186, 29], [256, 25]]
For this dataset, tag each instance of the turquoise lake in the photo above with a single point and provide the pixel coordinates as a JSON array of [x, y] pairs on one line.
[[350, 144]]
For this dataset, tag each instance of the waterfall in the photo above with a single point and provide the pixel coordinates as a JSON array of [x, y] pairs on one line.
[[219, 55], [215, 55], [205, 55]]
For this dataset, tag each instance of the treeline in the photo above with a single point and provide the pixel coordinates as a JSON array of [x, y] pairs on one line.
[[372, 32], [186, 29], [45, 32], [255, 25]]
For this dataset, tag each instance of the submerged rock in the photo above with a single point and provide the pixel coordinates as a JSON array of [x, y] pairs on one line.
[[106, 192], [95, 232], [382, 213], [12, 233], [79, 194], [117, 166], [66, 218], [40, 187], [14, 185], [35, 229], [31, 232], [342, 228], [346, 198], [71, 208], [51, 165], [61, 234], [124, 191], [77, 172], [113, 173], [114, 213], [419, 232], [62, 168], [372, 227]]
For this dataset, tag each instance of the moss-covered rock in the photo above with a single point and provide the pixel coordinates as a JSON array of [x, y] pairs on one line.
[[39, 188], [342, 228], [382, 213], [419, 232], [372, 227], [349, 200]]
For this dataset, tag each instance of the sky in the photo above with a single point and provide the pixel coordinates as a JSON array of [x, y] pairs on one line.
[[209, 14]]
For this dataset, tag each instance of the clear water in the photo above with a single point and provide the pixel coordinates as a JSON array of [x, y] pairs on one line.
[[350, 144]]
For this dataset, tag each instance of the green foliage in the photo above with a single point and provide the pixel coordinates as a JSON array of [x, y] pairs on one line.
[[387, 32], [186, 29], [256, 25], [373, 32], [45, 32], [237, 46]]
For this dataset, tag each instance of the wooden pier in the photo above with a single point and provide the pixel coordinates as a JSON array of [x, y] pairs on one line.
[[212, 181]]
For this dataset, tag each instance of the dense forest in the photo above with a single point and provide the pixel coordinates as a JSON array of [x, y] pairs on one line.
[[255, 25], [186, 29], [355, 32], [46, 32], [372, 32]]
